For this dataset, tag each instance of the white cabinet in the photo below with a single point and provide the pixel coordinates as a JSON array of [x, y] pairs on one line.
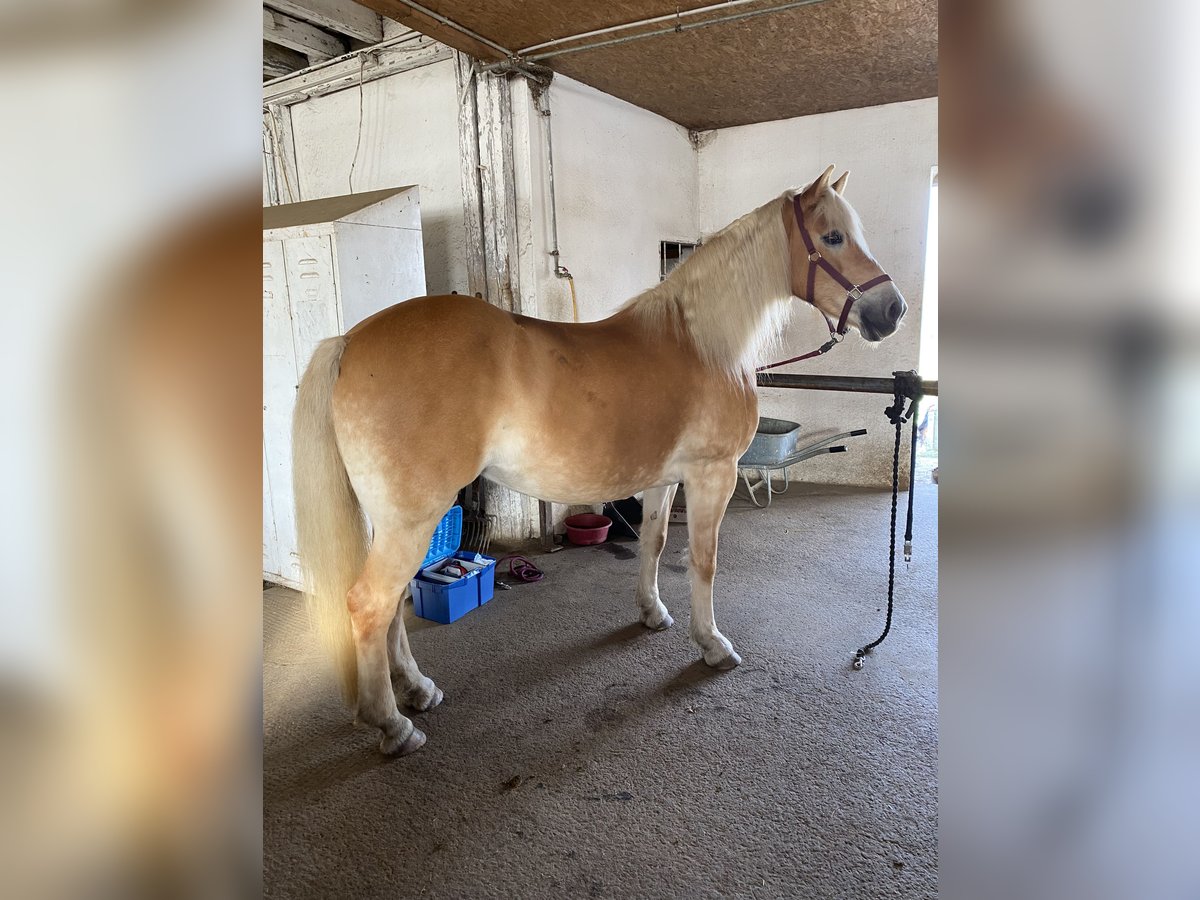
[[327, 265]]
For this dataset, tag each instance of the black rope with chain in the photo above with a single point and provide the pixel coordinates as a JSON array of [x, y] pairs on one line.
[[907, 385]]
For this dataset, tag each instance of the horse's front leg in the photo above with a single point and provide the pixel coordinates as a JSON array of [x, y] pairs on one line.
[[656, 510], [709, 488]]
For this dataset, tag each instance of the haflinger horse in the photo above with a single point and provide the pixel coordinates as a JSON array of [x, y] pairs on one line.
[[661, 392]]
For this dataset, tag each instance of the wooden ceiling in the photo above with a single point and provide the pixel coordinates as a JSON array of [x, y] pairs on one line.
[[300, 33], [825, 56]]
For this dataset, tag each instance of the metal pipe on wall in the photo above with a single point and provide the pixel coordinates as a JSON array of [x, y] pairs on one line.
[[669, 17], [678, 27], [542, 105], [450, 23]]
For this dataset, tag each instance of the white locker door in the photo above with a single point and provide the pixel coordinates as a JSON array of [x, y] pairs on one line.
[[270, 539], [313, 292], [280, 378]]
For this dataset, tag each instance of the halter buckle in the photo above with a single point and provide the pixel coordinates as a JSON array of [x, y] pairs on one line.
[[837, 336], [855, 293], [814, 256]]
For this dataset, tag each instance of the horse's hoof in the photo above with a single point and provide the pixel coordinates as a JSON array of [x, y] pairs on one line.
[[394, 747], [424, 699], [732, 661], [662, 625]]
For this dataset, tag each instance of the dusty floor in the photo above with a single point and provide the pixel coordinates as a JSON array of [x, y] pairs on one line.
[[578, 755]]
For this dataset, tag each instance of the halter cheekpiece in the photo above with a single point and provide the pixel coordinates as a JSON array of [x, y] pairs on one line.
[[853, 291]]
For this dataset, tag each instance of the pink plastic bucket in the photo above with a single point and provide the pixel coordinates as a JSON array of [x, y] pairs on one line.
[[587, 528]]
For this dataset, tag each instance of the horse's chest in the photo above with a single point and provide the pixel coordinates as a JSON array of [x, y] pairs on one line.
[[726, 426]]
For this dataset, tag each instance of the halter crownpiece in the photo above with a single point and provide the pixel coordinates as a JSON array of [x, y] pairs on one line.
[[854, 291]]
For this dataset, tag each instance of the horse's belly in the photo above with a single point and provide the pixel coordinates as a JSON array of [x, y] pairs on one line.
[[581, 483]]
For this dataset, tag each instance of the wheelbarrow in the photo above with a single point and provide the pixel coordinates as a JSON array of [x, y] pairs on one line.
[[775, 447]]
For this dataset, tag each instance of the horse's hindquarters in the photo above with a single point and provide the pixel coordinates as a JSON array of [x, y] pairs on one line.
[[415, 404]]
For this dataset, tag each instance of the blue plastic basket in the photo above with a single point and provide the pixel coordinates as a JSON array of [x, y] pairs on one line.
[[442, 602], [446, 537]]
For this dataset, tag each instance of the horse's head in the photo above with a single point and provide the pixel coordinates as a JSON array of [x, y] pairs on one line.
[[831, 266]]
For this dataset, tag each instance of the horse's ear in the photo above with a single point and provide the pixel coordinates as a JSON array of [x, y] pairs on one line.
[[821, 185], [840, 184]]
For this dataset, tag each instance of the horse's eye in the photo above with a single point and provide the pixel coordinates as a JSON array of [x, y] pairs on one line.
[[833, 238]]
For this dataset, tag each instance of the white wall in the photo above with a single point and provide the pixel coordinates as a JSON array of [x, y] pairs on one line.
[[625, 179], [409, 136], [890, 151]]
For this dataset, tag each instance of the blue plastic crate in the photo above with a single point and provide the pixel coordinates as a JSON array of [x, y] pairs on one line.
[[443, 602]]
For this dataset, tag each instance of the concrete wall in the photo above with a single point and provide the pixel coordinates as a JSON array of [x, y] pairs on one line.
[[890, 151], [625, 179], [409, 136]]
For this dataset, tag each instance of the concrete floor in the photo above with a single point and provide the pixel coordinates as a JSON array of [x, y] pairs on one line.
[[578, 755]]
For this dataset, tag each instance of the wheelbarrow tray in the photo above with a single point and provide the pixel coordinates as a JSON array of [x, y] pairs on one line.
[[774, 441]]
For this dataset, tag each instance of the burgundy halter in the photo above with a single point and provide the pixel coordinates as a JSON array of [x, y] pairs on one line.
[[853, 292]]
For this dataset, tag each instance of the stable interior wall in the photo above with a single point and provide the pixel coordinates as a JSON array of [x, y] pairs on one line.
[[407, 134], [625, 179], [890, 152]]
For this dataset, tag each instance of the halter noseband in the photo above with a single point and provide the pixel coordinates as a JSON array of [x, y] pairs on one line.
[[853, 291]]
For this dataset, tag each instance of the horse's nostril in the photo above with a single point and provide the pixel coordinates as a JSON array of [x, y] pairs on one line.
[[896, 310]]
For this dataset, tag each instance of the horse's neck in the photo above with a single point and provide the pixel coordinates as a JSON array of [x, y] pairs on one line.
[[730, 291], [729, 298], [726, 341]]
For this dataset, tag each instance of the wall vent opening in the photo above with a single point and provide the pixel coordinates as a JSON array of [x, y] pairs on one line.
[[671, 254]]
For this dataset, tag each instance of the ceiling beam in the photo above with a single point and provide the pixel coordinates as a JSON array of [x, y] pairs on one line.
[[300, 36], [429, 23], [279, 61], [340, 16], [362, 67]]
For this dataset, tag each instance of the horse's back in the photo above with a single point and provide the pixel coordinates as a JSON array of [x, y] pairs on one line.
[[452, 386]]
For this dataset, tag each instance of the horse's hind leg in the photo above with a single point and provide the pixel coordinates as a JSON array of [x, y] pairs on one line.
[[418, 691], [709, 488], [656, 510], [373, 603]]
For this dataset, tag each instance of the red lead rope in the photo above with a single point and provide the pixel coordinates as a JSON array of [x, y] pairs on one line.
[[853, 292]]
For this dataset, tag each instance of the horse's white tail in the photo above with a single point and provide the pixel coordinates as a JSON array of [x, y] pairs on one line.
[[329, 522]]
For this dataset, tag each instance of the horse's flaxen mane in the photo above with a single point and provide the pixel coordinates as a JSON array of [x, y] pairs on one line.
[[730, 295]]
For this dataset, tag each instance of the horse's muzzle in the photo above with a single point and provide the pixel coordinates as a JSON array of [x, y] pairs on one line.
[[880, 316]]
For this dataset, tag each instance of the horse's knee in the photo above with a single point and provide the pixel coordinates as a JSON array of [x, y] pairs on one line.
[[704, 567]]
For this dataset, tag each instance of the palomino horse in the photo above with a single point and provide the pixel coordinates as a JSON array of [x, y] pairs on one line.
[[660, 393]]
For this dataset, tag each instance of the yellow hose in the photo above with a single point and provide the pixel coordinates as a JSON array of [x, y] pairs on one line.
[[574, 303]]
